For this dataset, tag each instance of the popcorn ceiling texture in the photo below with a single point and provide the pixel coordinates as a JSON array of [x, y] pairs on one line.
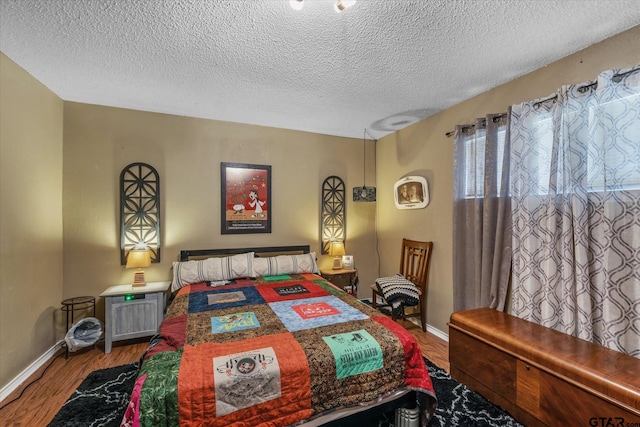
[[381, 64]]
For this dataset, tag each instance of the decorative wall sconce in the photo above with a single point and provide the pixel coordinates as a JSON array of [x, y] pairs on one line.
[[334, 213], [139, 211]]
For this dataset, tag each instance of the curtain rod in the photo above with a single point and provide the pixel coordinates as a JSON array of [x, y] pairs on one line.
[[484, 122], [617, 78]]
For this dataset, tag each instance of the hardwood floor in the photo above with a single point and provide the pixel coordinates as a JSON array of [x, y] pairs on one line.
[[42, 400], [433, 348]]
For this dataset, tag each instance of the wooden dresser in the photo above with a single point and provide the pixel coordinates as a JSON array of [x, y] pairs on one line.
[[541, 376]]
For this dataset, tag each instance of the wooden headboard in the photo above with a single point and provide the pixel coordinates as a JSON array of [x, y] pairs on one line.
[[189, 254]]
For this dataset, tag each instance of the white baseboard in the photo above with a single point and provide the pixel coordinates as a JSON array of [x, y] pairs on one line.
[[431, 330], [30, 370], [438, 333]]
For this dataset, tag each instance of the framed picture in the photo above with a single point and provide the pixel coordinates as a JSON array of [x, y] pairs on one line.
[[347, 262], [246, 198], [411, 192]]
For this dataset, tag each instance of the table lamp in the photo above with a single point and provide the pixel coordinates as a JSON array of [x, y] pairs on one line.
[[138, 258], [337, 249]]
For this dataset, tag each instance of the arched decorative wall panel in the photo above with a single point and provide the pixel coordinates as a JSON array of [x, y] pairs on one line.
[[333, 225], [139, 210]]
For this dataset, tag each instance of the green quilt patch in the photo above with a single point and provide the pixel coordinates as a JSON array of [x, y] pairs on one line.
[[275, 278], [355, 353], [160, 391]]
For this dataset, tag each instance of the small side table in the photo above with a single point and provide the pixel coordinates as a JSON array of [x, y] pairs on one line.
[[71, 305], [133, 312], [347, 279]]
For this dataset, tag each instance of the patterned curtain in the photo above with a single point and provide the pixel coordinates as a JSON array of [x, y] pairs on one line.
[[575, 187], [481, 214]]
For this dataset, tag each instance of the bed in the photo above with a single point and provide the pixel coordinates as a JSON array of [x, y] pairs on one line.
[[255, 337]]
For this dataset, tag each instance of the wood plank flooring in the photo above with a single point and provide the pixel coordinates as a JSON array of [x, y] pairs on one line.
[[42, 400]]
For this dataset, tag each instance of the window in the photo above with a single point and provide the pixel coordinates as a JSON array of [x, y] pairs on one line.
[[474, 163]]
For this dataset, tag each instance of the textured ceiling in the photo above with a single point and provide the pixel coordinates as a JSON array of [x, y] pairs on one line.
[[380, 65]]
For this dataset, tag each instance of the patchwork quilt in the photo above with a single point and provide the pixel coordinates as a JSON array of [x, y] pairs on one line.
[[272, 351]]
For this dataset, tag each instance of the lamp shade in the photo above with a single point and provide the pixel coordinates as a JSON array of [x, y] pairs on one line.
[[336, 249], [138, 258]]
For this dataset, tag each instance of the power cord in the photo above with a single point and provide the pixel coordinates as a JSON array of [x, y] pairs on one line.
[[60, 353]]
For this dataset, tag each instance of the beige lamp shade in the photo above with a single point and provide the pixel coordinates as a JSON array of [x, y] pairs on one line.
[[336, 249], [139, 258]]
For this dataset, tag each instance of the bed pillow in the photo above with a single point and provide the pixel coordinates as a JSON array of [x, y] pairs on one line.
[[285, 264], [212, 269]]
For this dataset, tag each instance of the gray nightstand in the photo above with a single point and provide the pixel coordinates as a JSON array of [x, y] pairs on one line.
[[133, 312]]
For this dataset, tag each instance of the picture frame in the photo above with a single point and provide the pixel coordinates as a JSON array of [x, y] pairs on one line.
[[347, 262], [337, 263], [411, 192], [246, 198]]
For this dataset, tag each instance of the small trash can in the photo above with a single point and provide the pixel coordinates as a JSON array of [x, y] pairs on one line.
[[84, 333]]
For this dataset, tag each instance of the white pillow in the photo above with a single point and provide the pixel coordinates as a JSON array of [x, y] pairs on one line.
[[212, 269], [285, 264]]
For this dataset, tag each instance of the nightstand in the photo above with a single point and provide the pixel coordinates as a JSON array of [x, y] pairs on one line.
[[133, 312], [345, 278]]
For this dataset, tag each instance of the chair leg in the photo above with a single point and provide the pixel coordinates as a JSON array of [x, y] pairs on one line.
[[400, 316], [374, 301], [423, 319], [423, 313]]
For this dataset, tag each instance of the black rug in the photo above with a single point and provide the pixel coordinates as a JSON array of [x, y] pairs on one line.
[[102, 398], [460, 406]]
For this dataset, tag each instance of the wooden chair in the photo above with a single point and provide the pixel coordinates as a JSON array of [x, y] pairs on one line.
[[414, 266]]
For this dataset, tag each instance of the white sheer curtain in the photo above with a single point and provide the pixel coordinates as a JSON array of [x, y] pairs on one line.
[[481, 214], [575, 187]]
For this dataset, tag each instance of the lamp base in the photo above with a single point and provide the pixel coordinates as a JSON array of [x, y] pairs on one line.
[[138, 279]]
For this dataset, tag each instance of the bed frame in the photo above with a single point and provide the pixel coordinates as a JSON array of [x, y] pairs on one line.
[[358, 416], [189, 254]]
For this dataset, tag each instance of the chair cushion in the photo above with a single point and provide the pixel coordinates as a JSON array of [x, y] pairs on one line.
[[398, 291]]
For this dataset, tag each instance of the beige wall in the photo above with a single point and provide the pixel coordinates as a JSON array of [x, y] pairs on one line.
[[423, 149], [100, 141], [30, 218]]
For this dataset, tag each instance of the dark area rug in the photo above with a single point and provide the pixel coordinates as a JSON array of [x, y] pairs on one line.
[[102, 398], [460, 406]]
